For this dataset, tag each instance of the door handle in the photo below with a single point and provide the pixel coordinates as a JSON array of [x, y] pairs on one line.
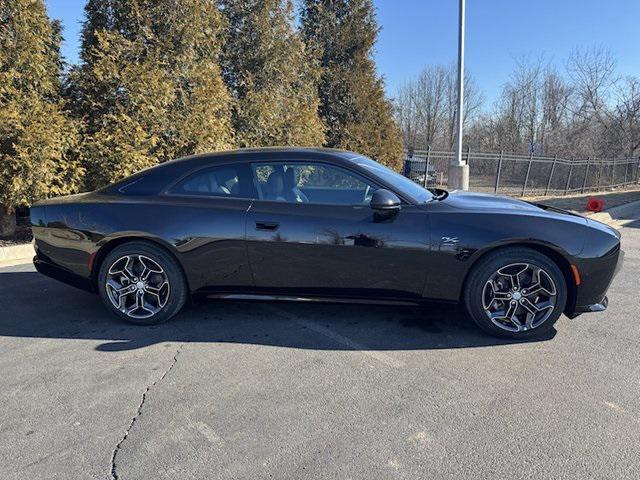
[[269, 226]]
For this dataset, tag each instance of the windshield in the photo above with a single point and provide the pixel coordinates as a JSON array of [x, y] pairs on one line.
[[400, 182]]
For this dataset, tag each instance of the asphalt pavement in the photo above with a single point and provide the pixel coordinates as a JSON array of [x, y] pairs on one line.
[[252, 390]]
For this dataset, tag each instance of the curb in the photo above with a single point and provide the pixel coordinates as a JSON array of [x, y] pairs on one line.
[[616, 215], [24, 251]]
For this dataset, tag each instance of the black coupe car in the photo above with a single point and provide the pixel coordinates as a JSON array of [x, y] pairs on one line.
[[321, 224]]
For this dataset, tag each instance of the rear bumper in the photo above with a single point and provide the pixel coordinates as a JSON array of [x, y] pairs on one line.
[[62, 275]]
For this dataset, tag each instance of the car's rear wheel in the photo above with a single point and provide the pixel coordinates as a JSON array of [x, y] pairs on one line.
[[142, 283], [515, 293]]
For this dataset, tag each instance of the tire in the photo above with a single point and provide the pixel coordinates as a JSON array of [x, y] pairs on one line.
[[497, 299], [123, 280]]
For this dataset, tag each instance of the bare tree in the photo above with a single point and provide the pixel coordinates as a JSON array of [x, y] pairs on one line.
[[430, 98], [592, 73], [587, 111], [473, 103], [556, 95], [626, 116], [420, 107], [406, 114]]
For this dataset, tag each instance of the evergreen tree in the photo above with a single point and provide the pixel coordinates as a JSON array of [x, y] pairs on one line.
[[150, 87], [37, 136], [343, 33], [271, 76]]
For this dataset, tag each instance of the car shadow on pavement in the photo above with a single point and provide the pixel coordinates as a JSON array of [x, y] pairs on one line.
[[33, 306]]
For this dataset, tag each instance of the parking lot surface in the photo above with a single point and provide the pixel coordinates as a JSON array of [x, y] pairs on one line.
[[251, 390]]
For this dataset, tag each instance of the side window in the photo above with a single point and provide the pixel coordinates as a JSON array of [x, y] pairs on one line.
[[311, 183], [222, 181]]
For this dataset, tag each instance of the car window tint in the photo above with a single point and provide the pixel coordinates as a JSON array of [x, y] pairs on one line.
[[311, 183], [222, 181]]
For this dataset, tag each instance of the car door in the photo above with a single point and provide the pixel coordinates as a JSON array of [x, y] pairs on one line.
[[209, 214], [311, 232]]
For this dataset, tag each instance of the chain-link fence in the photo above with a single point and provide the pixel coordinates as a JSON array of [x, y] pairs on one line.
[[524, 175]]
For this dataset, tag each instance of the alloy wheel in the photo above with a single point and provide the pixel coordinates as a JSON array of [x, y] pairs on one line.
[[519, 297], [137, 286]]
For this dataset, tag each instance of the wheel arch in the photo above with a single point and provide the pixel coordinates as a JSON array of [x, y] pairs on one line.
[[552, 253], [113, 243]]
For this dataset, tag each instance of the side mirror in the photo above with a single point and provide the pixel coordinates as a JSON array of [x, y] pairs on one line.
[[385, 201]]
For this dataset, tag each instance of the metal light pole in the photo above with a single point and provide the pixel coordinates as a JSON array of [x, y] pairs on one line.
[[458, 170]]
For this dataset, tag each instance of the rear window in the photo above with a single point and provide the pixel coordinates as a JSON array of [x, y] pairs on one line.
[[150, 181]]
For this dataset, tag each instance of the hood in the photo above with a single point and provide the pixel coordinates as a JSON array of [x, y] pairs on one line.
[[485, 202]]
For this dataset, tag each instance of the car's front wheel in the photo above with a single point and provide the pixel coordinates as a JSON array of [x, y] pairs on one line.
[[142, 283], [515, 293]]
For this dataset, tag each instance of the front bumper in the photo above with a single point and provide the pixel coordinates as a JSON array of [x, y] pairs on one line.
[[599, 307], [595, 307], [598, 301], [619, 264]]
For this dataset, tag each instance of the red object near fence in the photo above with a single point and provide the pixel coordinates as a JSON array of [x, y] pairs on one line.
[[595, 204]]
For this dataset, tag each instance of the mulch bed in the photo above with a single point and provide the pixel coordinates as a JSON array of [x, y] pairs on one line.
[[22, 235]]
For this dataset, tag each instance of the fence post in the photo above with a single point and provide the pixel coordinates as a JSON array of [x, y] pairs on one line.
[[566, 187], [638, 171], [626, 172], [468, 154], [526, 177], [495, 190], [586, 174], [613, 172], [406, 168], [426, 166], [553, 167]]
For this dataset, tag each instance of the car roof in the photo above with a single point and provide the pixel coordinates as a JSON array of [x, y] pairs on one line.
[[150, 180], [270, 153]]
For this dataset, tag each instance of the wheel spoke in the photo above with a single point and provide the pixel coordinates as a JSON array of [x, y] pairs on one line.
[[119, 291], [128, 269], [497, 294], [157, 292], [511, 314], [139, 304], [536, 289], [530, 307], [149, 268], [512, 272], [135, 306]]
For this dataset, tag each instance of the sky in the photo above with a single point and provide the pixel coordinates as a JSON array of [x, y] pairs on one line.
[[416, 33]]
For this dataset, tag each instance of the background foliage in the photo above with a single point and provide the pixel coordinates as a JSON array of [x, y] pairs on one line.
[[271, 76], [38, 138], [150, 87], [161, 79], [342, 35]]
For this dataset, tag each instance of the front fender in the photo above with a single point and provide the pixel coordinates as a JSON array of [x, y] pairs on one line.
[[460, 239]]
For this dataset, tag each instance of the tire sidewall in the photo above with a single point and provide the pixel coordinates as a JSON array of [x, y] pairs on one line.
[[177, 291], [488, 266]]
